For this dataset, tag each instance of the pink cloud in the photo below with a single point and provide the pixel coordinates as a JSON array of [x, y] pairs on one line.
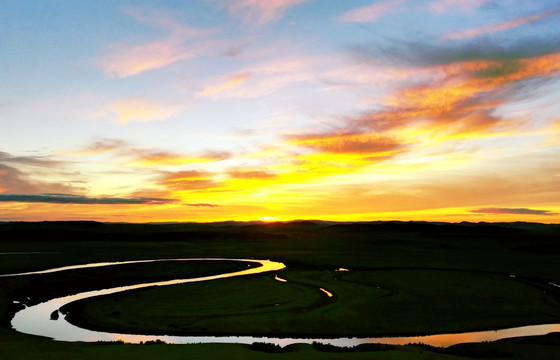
[[488, 29], [467, 6], [166, 20], [371, 12], [260, 12], [262, 78], [225, 87], [123, 60]]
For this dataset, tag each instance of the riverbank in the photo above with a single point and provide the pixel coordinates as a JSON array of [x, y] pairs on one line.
[[365, 304], [19, 347]]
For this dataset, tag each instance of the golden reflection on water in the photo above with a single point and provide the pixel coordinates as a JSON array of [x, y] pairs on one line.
[[36, 319], [445, 340]]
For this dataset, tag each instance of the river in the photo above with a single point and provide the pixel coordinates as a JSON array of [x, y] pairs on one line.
[[36, 319]]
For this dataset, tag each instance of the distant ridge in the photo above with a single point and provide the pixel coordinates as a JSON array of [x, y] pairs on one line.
[[384, 223]]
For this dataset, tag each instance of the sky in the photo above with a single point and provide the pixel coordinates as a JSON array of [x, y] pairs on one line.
[[216, 110]]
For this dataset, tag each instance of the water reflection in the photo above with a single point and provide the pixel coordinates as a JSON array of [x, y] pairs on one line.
[[36, 319], [477, 336]]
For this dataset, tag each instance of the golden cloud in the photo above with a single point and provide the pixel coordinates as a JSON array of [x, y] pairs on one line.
[[141, 109], [222, 88]]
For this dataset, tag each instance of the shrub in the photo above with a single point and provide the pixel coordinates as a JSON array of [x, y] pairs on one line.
[[266, 347]]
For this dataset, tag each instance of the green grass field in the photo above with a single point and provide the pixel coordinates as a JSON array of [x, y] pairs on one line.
[[405, 278], [365, 303]]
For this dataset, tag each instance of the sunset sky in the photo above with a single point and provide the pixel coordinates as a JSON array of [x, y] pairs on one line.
[[213, 110]]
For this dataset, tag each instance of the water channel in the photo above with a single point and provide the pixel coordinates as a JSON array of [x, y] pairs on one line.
[[36, 319]]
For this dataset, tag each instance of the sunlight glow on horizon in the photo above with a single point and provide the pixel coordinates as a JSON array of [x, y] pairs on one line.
[[213, 111]]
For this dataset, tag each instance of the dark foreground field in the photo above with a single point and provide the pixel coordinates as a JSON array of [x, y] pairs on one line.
[[404, 278]]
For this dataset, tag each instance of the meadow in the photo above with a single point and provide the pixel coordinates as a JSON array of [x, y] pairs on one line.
[[403, 279]]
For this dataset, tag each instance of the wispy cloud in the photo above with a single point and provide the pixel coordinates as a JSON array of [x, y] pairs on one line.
[[123, 60], [203, 205], [190, 180], [372, 12], [250, 174], [41, 161], [348, 143], [154, 158], [18, 176], [126, 154], [466, 6], [103, 146], [166, 20], [449, 95], [234, 50], [489, 29], [418, 55], [467, 83], [463, 102], [140, 109], [14, 180], [78, 199], [514, 211], [263, 77], [259, 12], [222, 88]]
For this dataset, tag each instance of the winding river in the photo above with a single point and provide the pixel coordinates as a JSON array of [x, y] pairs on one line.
[[36, 319]]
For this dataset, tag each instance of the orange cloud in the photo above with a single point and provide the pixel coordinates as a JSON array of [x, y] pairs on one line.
[[221, 89], [361, 143], [164, 158], [489, 29], [372, 12], [463, 101], [395, 187], [457, 108], [141, 109], [250, 174], [189, 181]]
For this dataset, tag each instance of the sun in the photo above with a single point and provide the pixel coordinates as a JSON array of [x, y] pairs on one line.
[[269, 218]]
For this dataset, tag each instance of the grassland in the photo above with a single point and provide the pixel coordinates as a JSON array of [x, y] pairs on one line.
[[365, 304], [405, 278]]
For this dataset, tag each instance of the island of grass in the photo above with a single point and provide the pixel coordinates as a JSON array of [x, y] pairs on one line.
[[374, 303]]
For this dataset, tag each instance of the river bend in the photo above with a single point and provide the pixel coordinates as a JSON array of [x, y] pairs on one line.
[[36, 319]]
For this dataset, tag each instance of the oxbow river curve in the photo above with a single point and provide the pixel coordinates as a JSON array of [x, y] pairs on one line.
[[36, 319]]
